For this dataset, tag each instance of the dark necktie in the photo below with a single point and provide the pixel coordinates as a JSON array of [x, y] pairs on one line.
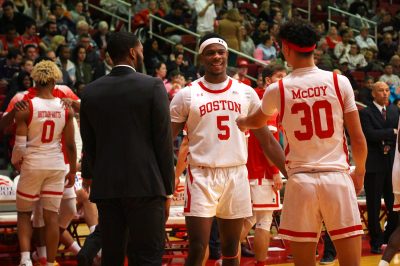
[[384, 113]]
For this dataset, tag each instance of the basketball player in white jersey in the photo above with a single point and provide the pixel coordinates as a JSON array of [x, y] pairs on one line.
[[315, 107], [37, 153], [217, 183], [393, 245]]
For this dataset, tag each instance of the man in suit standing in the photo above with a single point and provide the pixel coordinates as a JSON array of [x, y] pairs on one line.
[[379, 123], [124, 126]]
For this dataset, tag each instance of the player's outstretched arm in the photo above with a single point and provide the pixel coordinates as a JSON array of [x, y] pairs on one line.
[[271, 148], [358, 147], [69, 135], [253, 121], [21, 120]]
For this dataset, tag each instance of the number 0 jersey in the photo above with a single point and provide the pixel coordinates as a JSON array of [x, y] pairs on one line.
[[45, 126], [210, 112], [312, 103]]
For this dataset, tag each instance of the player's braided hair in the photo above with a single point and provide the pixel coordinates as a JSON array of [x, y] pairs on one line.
[[46, 71], [299, 32]]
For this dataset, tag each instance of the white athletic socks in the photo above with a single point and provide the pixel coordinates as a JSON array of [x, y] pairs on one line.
[[91, 229], [25, 257], [383, 263], [41, 251], [74, 248]]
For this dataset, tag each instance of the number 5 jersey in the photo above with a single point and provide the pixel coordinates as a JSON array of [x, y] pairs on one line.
[[45, 127], [312, 104], [210, 112]]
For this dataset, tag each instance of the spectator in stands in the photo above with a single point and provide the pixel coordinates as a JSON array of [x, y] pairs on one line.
[[38, 11], [176, 16], [220, 8], [365, 92], [183, 66], [104, 68], [101, 36], [63, 61], [273, 32], [373, 64], [10, 65], [344, 68], [343, 47], [265, 51], [364, 41], [82, 28], [355, 58], [78, 13], [333, 38], [387, 48], [21, 82], [50, 31], [229, 28], [265, 12], [92, 53], [206, 16], [389, 78], [378, 17], [277, 17], [260, 31], [246, 42], [177, 80], [387, 26], [152, 55], [9, 40], [320, 27], [31, 52], [65, 25], [395, 62], [242, 67], [27, 65], [10, 16], [84, 72], [323, 60], [359, 22], [56, 41], [29, 36], [160, 71]]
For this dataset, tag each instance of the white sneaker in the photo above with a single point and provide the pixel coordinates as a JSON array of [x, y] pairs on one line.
[[26, 263]]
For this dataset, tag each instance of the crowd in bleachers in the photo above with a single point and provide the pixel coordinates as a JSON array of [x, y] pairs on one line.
[[76, 39]]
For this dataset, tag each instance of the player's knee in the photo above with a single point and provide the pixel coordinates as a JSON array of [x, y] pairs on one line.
[[24, 205], [198, 248], [264, 220]]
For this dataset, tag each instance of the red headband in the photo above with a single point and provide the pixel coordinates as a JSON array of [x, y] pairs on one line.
[[298, 48]]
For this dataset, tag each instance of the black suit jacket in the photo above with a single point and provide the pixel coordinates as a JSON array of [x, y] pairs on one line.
[[379, 132], [126, 133]]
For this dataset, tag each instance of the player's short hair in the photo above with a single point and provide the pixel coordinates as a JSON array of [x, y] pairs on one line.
[[119, 44], [301, 33], [46, 71], [271, 69]]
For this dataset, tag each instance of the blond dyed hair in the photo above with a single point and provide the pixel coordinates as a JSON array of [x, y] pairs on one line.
[[45, 72]]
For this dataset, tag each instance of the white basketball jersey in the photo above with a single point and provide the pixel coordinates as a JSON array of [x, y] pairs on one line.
[[396, 168], [47, 121], [214, 138], [312, 113]]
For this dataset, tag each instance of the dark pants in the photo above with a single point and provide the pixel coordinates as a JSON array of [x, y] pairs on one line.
[[376, 185], [90, 249], [141, 221], [329, 248]]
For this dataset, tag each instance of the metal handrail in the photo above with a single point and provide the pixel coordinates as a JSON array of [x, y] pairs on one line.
[[151, 33], [105, 11], [370, 22]]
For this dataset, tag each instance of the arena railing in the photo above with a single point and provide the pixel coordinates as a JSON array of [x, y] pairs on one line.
[[197, 36], [105, 11], [370, 22]]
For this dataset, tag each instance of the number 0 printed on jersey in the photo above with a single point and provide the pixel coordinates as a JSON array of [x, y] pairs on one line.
[[310, 126], [48, 131]]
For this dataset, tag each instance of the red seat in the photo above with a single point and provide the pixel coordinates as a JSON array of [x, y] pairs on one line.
[[375, 74], [253, 70], [359, 76]]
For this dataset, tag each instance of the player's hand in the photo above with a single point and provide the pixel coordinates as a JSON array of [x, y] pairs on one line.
[[167, 206], [21, 106], [86, 183], [67, 102], [70, 179], [240, 122], [358, 179], [278, 184]]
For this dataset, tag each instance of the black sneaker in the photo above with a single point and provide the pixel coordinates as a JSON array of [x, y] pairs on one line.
[[246, 252], [327, 260]]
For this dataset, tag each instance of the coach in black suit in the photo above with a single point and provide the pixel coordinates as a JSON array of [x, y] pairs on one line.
[[379, 124], [125, 128]]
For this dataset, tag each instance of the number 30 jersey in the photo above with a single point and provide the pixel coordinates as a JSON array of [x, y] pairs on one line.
[[312, 104], [45, 126], [210, 112]]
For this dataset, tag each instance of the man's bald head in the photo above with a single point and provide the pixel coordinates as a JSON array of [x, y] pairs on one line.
[[380, 93]]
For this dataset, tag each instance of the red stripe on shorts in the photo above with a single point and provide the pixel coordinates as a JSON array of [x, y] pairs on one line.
[[346, 230], [297, 234], [27, 195], [51, 192], [189, 196]]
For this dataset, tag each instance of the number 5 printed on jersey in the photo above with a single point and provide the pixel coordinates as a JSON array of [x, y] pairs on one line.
[[225, 132]]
